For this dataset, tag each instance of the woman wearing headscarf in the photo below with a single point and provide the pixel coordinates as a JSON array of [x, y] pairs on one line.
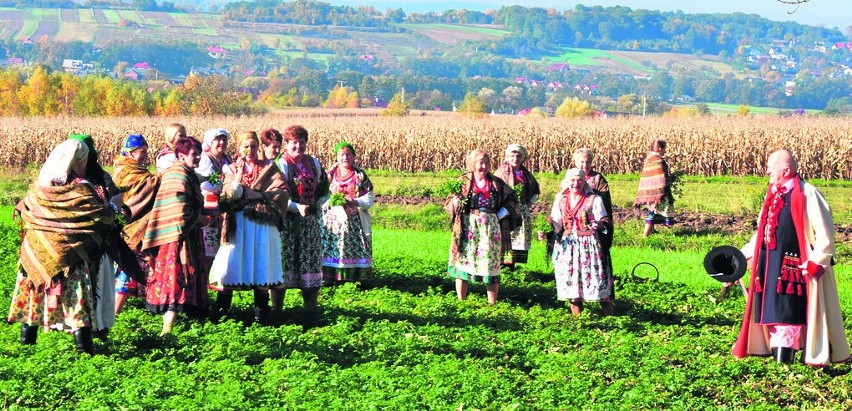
[[583, 159], [347, 239], [166, 157], [513, 173], [213, 167], [578, 216], [655, 193], [178, 278], [138, 188], [250, 258], [64, 222], [307, 183], [483, 216], [105, 275]]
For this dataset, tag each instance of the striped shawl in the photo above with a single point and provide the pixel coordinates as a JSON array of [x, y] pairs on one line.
[[506, 173], [654, 181], [176, 209]]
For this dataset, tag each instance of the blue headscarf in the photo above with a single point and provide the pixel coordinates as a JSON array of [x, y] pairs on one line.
[[132, 142]]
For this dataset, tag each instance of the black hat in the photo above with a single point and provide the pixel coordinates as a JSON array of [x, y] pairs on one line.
[[725, 264]]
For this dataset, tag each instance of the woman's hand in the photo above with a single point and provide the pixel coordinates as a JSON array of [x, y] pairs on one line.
[[303, 209], [240, 166]]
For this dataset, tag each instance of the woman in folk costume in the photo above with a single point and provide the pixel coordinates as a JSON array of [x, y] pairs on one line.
[[178, 278], [64, 223], [138, 188], [578, 216], [213, 167], [483, 216], [655, 194], [792, 302], [583, 159], [250, 257], [105, 287], [307, 183], [513, 173], [347, 239], [166, 157]]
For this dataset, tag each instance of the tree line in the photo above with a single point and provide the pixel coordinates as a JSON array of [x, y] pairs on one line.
[[43, 93]]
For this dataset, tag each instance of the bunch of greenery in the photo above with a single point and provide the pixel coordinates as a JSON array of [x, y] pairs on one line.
[[337, 199], [215, 178], [450, 187]]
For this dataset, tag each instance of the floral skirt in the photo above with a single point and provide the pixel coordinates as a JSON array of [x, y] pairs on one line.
[[252, 259], [301, 249], [67, 304], [521, 238], [174, 285], [581, 271], [347, 251], [479, 252]]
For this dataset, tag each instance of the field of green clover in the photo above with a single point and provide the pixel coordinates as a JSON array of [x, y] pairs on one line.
[[403, 341]]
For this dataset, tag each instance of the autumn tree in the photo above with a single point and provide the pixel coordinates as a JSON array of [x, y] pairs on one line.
[[472, 105], [396, 107], [573, 107], [10, 83]]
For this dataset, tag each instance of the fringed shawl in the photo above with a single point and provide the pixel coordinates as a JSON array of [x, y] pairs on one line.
[[306, 188], [361, 180], [506, 173], [653, 183], [271, 209], [64, 226], [176, 208], [139, 190], [597, 182], [505, 198]]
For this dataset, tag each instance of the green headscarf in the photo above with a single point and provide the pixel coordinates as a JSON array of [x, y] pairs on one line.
[[343, 144], [88, 141]]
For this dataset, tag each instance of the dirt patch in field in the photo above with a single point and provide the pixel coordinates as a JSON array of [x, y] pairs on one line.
[[100, 17], [46, 28], [68, 15], [724, 224]]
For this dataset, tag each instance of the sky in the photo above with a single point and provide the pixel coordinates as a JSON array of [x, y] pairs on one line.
[[828, 13]]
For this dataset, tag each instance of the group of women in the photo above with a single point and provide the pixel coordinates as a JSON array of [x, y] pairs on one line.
[[493, 226], [259, 220], [270, 217]]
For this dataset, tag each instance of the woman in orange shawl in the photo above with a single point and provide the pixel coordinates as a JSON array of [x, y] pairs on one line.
[[655, 193], [138, 188], [64, 224]]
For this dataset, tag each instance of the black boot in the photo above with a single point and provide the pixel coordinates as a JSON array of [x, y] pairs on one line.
[[28, 334], [277, 297], [261, 306], [784, 355], [223, 300], [83, 340]]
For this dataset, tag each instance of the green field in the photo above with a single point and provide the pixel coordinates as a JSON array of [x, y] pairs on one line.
[[720, 108], [112, 16], [592, 57], [404, 342]]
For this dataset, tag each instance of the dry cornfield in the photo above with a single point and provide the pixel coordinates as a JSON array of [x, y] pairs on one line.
[[432, 142]]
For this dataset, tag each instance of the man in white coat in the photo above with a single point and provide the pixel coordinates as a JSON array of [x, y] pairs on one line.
[[792, 299]]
